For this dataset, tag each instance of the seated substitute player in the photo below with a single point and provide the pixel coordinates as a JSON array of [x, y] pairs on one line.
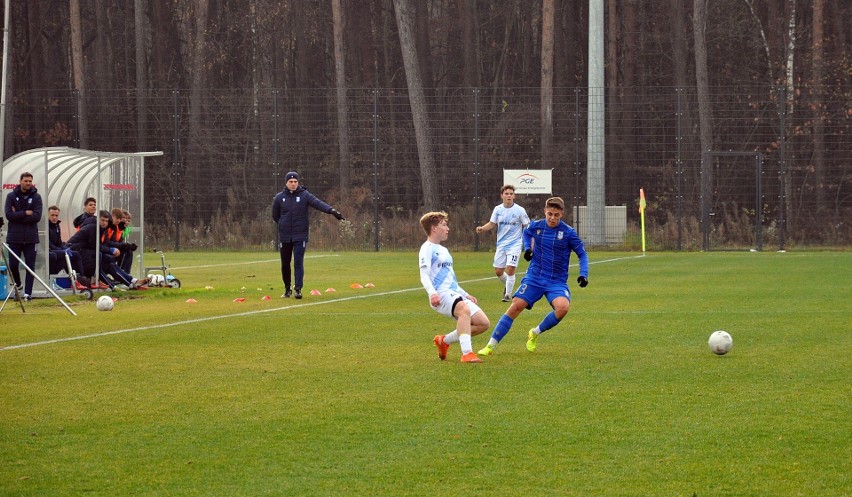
[[548, 244], [56, 257], [446, 297], [510, 219]]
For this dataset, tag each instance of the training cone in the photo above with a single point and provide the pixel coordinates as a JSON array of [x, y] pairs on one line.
[[240, 299], [315, 292], [265, 297], [330, 290], [369, 285], [355, 286], [115, 299], [191, 301]]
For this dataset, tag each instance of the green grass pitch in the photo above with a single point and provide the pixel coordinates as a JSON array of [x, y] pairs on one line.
[[343, 394]]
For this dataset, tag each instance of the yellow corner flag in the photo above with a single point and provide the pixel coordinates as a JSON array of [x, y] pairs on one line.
[[642, 216]]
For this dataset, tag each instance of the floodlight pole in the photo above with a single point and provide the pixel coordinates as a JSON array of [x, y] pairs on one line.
[[7, 11]]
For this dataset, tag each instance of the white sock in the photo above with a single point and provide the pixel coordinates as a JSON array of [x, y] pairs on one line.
[[510, 285], [503, 277], [492, 343], [451, 337], [536, 330], [464, 341]]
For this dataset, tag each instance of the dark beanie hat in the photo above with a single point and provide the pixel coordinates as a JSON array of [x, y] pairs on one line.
[[291, 175]]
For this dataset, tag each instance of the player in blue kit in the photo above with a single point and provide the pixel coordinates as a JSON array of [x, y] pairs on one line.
[[446, 297], [510, 219], [548, 244]]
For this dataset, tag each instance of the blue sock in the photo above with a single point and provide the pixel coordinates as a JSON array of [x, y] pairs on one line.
[[548, 322], [502, 328]]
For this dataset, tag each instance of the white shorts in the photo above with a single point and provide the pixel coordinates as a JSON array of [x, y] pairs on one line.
[[448, 299], [503, 258]]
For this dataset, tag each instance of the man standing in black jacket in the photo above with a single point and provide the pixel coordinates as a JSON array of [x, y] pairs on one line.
[[23, 211], [290, 212]]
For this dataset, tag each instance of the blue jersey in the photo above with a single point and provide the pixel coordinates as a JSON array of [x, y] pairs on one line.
[[552, 249]]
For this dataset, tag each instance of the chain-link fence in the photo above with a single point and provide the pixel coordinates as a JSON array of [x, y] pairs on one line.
[[778, 171]]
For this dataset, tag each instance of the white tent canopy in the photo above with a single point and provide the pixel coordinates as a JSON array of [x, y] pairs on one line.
[[65, 177]]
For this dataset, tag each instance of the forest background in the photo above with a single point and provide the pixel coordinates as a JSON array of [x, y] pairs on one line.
[[390, 107]]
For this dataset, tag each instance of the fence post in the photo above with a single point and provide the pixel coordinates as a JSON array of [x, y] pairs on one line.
[[782, 173], [376, 224], [476, 173], [679, 166], [576, 217], [276, 141], [758, 229], [76, 95], [176, 167]]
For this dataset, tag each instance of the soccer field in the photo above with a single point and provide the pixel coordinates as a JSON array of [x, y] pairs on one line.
[[343, 394]]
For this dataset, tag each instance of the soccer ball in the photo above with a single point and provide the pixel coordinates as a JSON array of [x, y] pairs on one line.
[[156, 280], [105, 303], [720, 342]]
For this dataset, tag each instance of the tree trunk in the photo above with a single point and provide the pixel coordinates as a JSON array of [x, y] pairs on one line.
[[79, 71], [704, 115], [141, 39], [424, 46], [470, 44], [547, 17], [103, 54], [680, 49], [193, 160], [417, 98], [818, 102], [789, 83], [342, 102]]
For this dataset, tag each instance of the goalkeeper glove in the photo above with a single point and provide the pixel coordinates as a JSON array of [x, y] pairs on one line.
[[582, 281], [528, 255]]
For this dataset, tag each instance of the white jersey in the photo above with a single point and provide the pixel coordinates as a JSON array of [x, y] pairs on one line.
[[510, 227], [436, 270]]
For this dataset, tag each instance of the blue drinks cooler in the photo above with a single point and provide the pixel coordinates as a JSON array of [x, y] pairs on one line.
[[4, 283]]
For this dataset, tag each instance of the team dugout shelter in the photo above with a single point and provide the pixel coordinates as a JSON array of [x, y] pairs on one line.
[[66, 177]]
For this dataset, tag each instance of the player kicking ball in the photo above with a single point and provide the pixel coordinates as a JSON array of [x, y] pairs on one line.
[[446, 297], [548, 244]]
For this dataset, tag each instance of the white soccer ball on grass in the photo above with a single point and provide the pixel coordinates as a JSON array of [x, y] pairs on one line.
[[156, 280], [105, 303], [720, 342]]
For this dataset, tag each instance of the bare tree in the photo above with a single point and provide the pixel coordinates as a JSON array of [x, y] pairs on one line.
[[417, 98], [817, 95], [699, 21], [141, 42], [342, 102], [547, 16], [79, 70]]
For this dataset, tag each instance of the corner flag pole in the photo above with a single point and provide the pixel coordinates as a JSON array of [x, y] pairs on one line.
[[642, 216]]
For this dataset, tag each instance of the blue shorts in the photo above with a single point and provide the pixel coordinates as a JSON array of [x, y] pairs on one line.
[[530, 292]]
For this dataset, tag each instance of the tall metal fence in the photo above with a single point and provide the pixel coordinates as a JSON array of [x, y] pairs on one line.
[[779, 174]]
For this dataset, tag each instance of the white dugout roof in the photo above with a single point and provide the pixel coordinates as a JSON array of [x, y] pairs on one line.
[[65, 177]]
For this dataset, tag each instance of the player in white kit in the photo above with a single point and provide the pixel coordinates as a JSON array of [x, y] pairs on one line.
[[445, 295], [510, 219]]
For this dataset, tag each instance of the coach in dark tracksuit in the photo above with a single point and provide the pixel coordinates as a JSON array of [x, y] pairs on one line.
[[290, 211], [23, 211]]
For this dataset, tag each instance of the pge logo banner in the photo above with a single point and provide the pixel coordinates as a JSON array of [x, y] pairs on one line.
[[528, 181]]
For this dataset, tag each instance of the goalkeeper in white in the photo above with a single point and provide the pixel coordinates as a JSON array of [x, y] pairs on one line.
[[445, 295]]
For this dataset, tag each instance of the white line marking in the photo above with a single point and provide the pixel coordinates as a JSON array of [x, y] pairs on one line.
[[252, 313]]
